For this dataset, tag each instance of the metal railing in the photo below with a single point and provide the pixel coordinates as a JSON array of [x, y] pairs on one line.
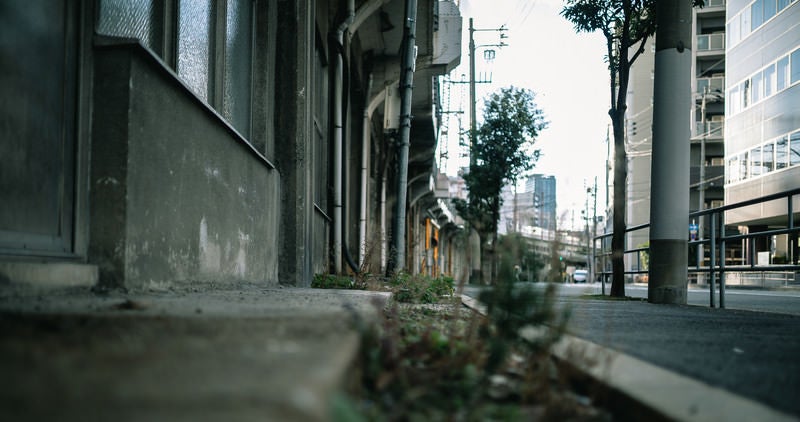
[[709, 129], [711, 42], [722, 244], [711, 85]]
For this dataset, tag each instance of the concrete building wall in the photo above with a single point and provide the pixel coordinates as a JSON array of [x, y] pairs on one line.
[[177, 195], [199, 147]]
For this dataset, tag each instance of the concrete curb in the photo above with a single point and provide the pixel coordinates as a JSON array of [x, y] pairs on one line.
[[664, 394]]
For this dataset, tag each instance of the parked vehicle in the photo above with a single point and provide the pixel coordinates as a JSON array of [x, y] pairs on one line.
[[579, 276]]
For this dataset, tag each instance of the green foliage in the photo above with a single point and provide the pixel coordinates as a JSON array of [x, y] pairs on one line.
[[502, 150], [333, 281], [435, 362], [421, 288]]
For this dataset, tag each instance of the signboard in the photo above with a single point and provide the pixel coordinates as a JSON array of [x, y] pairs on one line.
[[693, 231]]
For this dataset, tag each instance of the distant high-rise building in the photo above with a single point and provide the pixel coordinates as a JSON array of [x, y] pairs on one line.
[[544, 200]]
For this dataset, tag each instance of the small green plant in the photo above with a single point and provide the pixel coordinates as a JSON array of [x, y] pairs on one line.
[[439, 362], [419, 288], [333, 281]]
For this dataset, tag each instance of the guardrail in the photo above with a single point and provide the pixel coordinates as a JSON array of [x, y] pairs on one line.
[[714, 259]]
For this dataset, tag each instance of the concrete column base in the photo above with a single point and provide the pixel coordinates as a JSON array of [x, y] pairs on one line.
[[668, 271]]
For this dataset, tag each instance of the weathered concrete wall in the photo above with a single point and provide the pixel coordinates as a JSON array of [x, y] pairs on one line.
[[177, 196]]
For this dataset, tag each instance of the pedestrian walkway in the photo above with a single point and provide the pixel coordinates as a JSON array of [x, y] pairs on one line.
[[751, 354], [232, 353], [689, 362]]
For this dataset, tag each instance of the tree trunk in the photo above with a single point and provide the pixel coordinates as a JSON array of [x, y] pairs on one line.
[[620, 200]]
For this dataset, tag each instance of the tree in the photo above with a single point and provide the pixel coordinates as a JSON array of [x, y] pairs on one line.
[[626, 26], [503, 150]]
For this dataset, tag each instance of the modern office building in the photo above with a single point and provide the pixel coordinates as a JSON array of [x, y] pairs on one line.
[[708, 114], [762, 121], [639, 131], [707, 122], [543, 188]]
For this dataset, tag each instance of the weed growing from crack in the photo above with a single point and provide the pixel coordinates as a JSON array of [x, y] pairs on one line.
[[439, 361]]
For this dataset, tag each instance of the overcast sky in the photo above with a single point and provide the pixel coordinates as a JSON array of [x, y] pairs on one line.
[[568, 74]]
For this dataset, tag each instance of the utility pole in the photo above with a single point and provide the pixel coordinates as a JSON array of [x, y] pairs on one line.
[[476, 260], [472, 82], [669, 195], [593, 263], [472, 112]]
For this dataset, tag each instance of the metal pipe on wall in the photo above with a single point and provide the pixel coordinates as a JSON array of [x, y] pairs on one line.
[[407, 84], [338, 160]]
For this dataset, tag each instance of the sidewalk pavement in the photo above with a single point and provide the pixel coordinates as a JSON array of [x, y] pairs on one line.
[[751, 354], [215, 353]]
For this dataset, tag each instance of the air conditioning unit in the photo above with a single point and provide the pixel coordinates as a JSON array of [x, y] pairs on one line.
[[718, 118], [717, 161]]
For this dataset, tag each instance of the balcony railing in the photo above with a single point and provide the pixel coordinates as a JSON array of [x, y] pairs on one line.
[[711, 42], [713, 84], [709, 129]]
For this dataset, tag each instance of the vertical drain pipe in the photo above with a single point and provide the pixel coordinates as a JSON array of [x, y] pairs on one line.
[[337, 138], [366, 138], [366, 145], [397, 263]]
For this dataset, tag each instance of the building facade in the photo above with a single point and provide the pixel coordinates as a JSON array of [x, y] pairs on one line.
[[171, 142], [543, 188], [762, 121]]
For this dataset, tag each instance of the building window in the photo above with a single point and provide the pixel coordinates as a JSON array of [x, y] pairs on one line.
[[757, 14], [768, 157], [769, 80], [794, 149], [236, 101], [132, 19], [782, 80], [743, 166], [781, 153], [733, 170], [795, 66], [756, 166], [756, 87], [194, 45]]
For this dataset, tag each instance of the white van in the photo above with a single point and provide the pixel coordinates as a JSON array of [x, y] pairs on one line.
[[579, 276]]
